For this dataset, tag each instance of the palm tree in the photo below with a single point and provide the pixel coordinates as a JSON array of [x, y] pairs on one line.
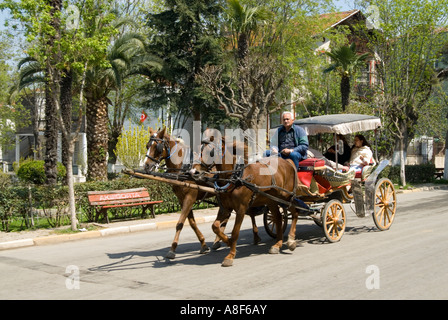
[[125, 57], [346, 62], [30, 76], [244, 22]]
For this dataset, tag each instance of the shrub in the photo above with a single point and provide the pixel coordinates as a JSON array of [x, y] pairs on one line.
[[131, 146], [34, 172], [13, 203], [414, 174]]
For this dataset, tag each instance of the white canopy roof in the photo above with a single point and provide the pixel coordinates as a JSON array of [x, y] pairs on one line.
[[339, 123]]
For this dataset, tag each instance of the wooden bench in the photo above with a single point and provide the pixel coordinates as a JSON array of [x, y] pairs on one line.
[[438, 174], [104, 200]]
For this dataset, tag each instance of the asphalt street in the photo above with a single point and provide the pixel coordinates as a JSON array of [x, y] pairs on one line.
[[406, 262]]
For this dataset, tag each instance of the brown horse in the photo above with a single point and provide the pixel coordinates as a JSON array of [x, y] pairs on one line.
[[162, 146], [271, 176], [237, 149]]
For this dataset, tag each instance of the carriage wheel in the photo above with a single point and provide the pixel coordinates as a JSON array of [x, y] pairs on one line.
[[385, 204], [269, 224], [333, 220]]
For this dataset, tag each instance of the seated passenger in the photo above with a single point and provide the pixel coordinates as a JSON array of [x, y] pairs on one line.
[[342, 158], [361, 154]]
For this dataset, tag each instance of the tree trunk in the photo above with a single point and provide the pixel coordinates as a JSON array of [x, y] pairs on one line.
[[35, 119], [51, 95], [345, 92], [70, 184], [402, 163], [243, 49], [97, 139], [66, 110], [51, 137]]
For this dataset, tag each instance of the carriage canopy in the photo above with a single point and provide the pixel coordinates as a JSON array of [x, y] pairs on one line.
[[339, 123]]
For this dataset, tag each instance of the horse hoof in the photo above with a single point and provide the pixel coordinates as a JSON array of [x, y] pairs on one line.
[[216, 245], [274, 250], [257, 240], [170, 255], [291, 245], [205, 249], [227, 263]]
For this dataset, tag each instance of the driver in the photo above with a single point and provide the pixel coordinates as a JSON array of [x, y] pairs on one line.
[[290, 141]]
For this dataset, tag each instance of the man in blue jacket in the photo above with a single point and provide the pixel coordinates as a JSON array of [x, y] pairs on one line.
[[290, 141]]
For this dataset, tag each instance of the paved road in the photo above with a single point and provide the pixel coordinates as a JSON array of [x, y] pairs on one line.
[[407, 262]]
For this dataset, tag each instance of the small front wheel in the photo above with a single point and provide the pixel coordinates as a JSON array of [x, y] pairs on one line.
[[269, 224], [334, 220]]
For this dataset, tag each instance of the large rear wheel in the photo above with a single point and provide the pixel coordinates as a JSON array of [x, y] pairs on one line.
[[385, 204]]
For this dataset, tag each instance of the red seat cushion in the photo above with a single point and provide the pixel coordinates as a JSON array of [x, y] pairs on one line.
[[305, 171], [310, 163]]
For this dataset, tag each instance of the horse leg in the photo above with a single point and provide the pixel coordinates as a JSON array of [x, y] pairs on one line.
[[193, 225], [278, 226], [228, 260], [257, 238], [187, 203], [291, 243], [223, 216], [217, 243]]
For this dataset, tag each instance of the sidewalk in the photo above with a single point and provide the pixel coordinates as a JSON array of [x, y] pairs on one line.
[[13, 240]]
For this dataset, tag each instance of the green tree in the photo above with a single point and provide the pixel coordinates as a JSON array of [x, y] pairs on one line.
[[346, 62], [264, 83], [406, 45], [186, 37], [244, 21], [125, 57], [11, 115], [27, 86]]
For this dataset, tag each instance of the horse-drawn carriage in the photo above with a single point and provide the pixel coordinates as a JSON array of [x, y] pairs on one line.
[[325, 189], [314, 191]]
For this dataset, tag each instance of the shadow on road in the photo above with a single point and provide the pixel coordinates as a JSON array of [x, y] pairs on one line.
[[188, 253]]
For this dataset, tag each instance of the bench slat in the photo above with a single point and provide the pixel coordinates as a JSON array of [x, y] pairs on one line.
[[132, 204], [103, 203], [122, 196], [116, 191]]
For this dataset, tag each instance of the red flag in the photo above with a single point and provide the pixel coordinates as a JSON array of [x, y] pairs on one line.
[[143, 116]]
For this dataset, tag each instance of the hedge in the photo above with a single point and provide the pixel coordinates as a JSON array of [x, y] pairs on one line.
[[422, 173], [19, 204]]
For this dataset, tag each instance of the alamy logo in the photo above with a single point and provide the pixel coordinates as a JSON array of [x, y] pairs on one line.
[[72, 20], [72, 281], [373, 280]]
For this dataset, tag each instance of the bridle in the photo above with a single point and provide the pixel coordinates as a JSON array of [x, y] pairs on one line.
[[236, 173], [162, 144], [206, 142]]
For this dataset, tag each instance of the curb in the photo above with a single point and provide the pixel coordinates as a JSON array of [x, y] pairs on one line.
[[52, 239], [424, 188]]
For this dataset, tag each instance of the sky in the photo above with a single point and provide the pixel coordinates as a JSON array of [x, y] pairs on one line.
[[344, 5]]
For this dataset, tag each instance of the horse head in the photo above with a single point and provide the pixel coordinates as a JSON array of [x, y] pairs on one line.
[[159, 147]]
